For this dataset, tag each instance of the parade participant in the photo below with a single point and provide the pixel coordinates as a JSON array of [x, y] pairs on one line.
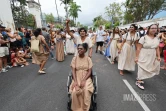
[[48, 41], [163, 36], [82, 39], [100, 39], [60, 56], [148, 56], [127, 50], [81, 87], [70, 49], [107, 51], [40, 57], [115, 39]]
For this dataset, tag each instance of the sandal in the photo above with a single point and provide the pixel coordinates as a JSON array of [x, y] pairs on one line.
[[140, 84], [112, 63], [41, 72], [121, 74]]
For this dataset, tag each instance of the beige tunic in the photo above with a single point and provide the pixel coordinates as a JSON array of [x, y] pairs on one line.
[[79, 41], [126, 59], [148, 65], [113, 46], [42, 55], [60, 56], [81, 100]]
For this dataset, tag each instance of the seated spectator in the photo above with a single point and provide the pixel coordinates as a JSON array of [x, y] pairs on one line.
[[18, 60], [24, 54]]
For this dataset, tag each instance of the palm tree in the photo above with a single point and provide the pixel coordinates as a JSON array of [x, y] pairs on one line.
[[57, 10], [66, 2], [73, 11]]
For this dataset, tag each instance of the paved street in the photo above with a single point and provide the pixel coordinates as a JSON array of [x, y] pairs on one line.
[[22, 89]]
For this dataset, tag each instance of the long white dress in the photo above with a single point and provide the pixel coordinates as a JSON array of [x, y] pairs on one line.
[[69, 45], [148, 65], [126, 60], [113, 46]]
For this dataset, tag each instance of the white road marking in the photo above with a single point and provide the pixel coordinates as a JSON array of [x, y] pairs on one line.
[[140, 101]]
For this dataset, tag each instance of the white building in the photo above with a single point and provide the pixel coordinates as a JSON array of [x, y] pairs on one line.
[[160, 21], [34, 9], [6, 17]]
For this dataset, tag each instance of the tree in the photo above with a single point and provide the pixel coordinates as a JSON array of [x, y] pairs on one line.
[[31, 21], [19, 12], [97, 21], [139, 10], [156, 6], [73, 11], [108, 25], [50, 18], [114, 12], [66, 2]]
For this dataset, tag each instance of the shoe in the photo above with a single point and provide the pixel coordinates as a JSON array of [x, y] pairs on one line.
[[4, 70], [101, 53], [43, 69], [96, 51], [8, 67], [22, 66], [140, 85], [41, 72], [53, 58]]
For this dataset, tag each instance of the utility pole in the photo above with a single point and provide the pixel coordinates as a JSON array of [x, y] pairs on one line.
[[40, 13]]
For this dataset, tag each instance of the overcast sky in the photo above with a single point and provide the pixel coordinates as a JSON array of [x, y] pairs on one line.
[[90, 8]]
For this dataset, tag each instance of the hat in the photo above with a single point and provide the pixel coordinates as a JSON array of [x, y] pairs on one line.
[[2, 26]]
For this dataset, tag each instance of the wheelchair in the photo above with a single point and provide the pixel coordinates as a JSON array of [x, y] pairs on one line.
[[93, 106]]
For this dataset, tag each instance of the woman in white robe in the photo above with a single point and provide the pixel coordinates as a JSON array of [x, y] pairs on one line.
[[115, 39], [148, 56], [70, 49], [126, 60]]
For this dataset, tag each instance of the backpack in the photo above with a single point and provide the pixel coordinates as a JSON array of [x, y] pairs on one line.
[[34, 45]]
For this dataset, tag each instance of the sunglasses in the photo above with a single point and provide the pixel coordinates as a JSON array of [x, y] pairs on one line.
[[131, 27]]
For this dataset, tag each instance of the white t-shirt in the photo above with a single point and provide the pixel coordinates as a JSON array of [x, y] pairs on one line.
[[100, 38], [90, 35]]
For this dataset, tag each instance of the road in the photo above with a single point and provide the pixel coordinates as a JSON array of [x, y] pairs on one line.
[[22, 89]]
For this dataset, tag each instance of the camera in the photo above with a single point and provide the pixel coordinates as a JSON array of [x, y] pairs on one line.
[[162, 31]]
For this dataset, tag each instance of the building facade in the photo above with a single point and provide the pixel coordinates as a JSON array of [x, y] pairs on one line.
[[34, 9], [6, 17]]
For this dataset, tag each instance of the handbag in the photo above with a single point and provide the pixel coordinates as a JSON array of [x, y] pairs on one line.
[[35, 45], [119, 45]]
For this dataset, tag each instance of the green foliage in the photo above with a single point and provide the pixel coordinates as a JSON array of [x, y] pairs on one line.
[[50, 18], [114, 12], [31, 21], [59, 26], [73, 11], [97, 21], [66, 1], [139, 10], [116, 24], [108, 25]]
